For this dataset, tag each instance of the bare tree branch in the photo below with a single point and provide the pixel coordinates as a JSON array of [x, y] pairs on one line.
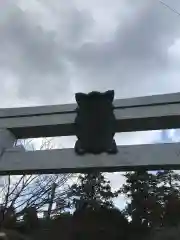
[[34, 190]]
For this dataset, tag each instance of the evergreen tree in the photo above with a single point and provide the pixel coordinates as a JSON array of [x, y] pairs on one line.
[[169, 196], [154, 198], [140, 189], [92, 190]]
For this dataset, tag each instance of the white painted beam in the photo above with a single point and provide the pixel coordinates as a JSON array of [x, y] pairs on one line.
[[151, 157], [133, 114]]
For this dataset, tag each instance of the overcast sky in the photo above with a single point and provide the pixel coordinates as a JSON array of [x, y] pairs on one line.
[[50, 49]]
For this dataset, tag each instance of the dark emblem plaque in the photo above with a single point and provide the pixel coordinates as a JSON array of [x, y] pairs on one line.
[[95, 123]]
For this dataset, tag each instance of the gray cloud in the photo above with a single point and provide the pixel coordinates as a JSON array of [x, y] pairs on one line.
[[36, 57], [137, 54], [52, 52]]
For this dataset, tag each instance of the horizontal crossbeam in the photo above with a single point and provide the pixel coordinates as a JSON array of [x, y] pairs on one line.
[[133, 114], [151, 157]]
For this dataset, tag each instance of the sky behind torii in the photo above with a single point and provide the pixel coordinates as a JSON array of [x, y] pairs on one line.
[[50, 49]]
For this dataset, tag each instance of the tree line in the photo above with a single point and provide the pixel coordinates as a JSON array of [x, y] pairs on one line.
[[87, 207]]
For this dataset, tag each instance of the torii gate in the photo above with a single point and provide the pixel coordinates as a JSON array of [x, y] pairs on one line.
[[133, 114]]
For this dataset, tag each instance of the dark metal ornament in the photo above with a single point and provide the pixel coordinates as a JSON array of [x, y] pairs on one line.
[[95, 123]]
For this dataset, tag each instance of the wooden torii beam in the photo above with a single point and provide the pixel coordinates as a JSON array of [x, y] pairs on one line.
[[133, 114]]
